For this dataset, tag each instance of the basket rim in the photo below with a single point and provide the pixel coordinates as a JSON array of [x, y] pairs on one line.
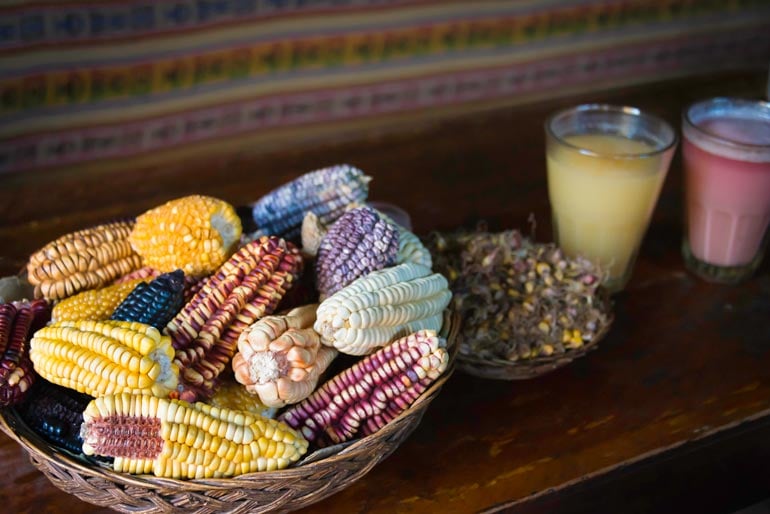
[[42, 450]]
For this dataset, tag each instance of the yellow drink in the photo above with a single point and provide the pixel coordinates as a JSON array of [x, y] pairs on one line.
[[603, 199]]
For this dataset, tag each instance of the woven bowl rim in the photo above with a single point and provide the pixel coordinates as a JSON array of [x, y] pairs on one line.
[[43, 454]]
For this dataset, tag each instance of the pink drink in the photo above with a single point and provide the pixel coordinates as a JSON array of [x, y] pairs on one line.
[[726, 152]]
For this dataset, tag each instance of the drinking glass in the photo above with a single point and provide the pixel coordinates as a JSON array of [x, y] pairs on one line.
[[726, 156], [606, 167]]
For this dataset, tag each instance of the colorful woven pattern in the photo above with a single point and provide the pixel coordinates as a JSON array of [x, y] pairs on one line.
[[87, 81]]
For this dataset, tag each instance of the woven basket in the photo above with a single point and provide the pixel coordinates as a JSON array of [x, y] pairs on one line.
[[316, 477], [501, 369]]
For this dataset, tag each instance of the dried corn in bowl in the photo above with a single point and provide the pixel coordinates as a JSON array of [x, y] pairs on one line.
[[224, 450], [527, 308]]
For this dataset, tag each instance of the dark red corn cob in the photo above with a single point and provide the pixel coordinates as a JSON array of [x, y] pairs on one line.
[[363, 398], [56, 414], [245, 288], [18, 320], [357, 244]]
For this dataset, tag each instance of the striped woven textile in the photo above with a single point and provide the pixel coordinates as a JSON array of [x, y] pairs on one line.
[[96, 81]]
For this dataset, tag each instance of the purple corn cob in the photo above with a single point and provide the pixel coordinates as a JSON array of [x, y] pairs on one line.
[[18, 320], [363, 398], [357, 244], [327, 192]]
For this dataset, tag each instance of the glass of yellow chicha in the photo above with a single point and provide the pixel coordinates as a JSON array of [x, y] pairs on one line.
[[606, 167]]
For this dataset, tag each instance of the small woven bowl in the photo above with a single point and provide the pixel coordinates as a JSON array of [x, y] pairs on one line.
[[501, 369], [316, 477]]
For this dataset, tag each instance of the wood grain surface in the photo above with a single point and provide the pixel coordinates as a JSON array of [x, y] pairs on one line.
[[682, 382]]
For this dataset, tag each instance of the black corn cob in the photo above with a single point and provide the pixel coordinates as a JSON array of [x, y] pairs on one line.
[[327, 193], [56, 414], [155, 303], [18, 320], [357, 244]]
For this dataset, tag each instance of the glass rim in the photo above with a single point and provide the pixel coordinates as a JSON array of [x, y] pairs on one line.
[[617, 109], [716, 138]]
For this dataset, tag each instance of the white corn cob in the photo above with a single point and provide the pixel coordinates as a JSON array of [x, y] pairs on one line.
[[384, 305]]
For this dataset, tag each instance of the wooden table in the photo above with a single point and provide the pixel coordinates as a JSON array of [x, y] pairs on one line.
[[669, 414]]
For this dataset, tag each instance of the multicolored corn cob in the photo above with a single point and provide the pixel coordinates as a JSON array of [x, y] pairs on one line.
[[155, 303], [248, 286], [280, 358], [56, 414], [327, 192], [175, 439], [105, 357], [17, 321], [94, 304], [377, 308], [86, 259], [195, 234], [191, 284], [365, 397], [357, 244]]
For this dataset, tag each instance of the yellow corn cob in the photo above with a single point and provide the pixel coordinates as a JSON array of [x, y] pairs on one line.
[[195, 234], [232, 395], [82, 260], [105, 357], [94, 304], [381, 306], [280, 358], [176, 439]]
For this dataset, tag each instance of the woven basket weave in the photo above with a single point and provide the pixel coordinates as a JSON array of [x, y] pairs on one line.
[[318, 476]]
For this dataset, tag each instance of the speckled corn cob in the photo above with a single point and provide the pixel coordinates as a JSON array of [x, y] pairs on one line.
[[365, 397], [280, 358], [56, 414], [82, 260], [357, 244], [377, 308], [327, 192], [155, 303], [245, 288], [17, 321], [195, 234], [410, 248], [105, 357], [175, 439], [191, 284], [94, 304]]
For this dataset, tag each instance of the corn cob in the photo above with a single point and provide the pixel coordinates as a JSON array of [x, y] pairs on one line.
[[357, 244], [327, 192], [363, 398], [245, 288], [410, 248], [280, 358], [191, 284], [82, 260], [56, 414], [155, 303], [17, 321], [232, 395], [94, 304], [195, 234], [175, 439], [105, 357], [381, 306]]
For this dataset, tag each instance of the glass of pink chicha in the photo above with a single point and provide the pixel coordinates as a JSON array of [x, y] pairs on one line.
[[726, 151]]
